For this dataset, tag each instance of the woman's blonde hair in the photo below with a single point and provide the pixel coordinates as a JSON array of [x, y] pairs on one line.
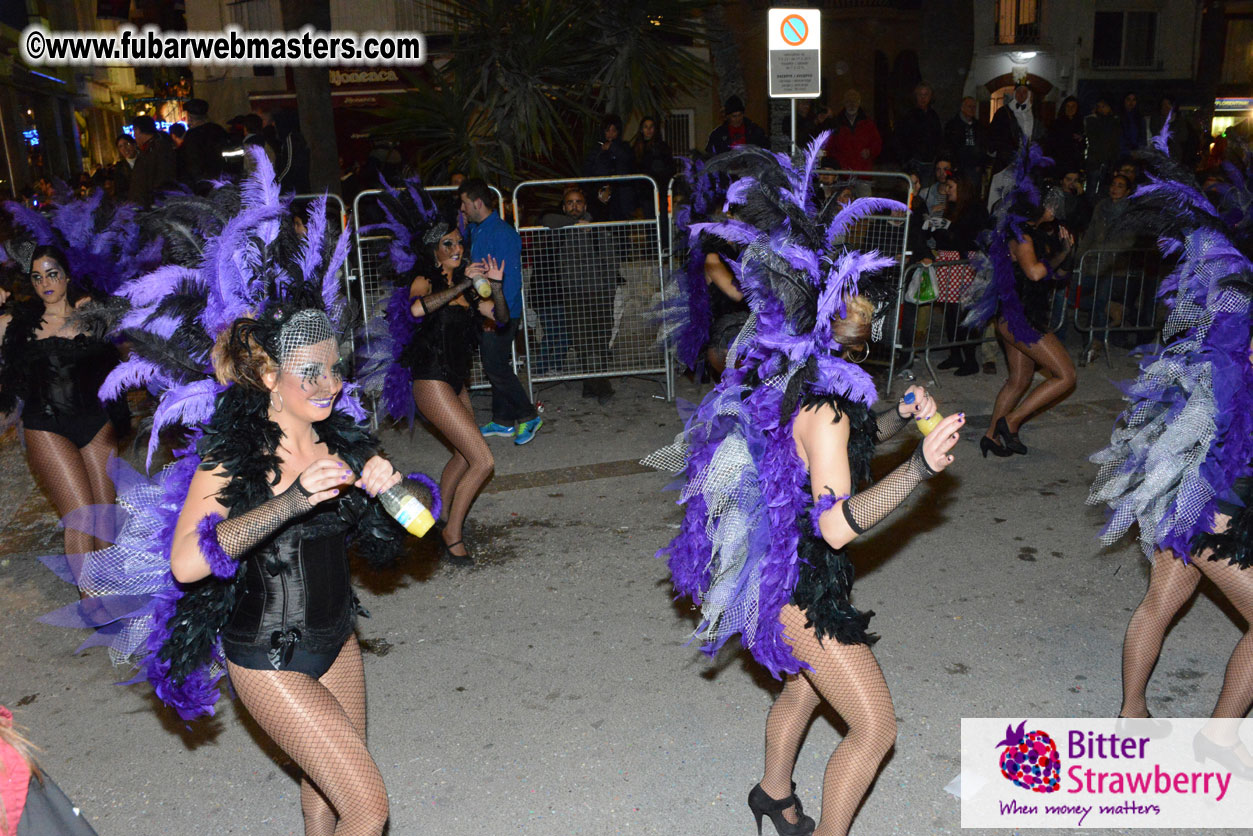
[[10, 736], [239, 357], [852, 331]]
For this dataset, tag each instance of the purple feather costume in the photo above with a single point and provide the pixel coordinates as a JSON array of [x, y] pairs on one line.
[[748, 506], [1186, 437], [249, 269]]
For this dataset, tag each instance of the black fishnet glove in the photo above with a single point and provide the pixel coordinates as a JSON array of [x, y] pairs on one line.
[[866, 509], [238, 534], [888, 424], [500, 309], [434, 301]]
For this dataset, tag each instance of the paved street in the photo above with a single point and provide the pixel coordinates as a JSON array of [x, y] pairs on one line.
[[549, 692]]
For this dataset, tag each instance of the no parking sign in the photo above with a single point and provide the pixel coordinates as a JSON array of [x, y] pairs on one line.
[[795, 53]]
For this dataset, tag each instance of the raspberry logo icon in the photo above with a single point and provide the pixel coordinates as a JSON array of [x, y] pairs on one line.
[[1030, 759]]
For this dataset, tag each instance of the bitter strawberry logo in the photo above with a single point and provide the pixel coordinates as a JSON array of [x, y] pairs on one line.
[[1030, 759]]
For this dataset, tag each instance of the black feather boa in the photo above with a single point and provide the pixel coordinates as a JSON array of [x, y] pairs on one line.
[[21, 330], [242, 440], [824, 587], [1235, 545]]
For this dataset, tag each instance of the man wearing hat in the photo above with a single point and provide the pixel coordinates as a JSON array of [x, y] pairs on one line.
[[1015, 119], [200, 155], [736, 130]]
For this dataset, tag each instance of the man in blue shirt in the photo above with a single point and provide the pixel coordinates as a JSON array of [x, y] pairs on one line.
[[513, 414]]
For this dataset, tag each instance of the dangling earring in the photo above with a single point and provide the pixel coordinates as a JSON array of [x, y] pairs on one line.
[[278, 408], [865, 352]]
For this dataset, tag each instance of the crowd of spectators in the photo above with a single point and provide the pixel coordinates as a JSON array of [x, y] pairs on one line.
[[958, 167]]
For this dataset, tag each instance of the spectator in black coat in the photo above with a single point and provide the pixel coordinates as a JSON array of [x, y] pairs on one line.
[[609, 157], [1132, 130], [155, 167], [1065, 142], [736, 130], [966, 139], [919, 134], [200, 156], [653, 157], [1100, 128]]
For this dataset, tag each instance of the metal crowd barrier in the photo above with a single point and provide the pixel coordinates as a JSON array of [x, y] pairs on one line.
[[1119, 285], [588, 288], [374, 284]]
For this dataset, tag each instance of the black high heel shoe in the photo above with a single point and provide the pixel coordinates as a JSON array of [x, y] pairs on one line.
[[1147, 726], [987, 445], [1009, 440], [1228, 757], [466, 559], [763, 805]]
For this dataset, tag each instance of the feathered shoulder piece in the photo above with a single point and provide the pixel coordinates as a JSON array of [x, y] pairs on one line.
[[101, 240], [1187, 433], [247, 268], [736, 553], [412, 224], [994, 290], [793, 277]]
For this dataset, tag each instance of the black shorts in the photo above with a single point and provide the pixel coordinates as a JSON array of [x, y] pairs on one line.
[[309, 662], [80, 428]]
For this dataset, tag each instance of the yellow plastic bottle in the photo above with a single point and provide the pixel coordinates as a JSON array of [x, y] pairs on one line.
[[407, 510], [925, 425]]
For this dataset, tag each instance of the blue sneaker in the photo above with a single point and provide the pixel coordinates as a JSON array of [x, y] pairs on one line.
[[493, 430], [528, 429]]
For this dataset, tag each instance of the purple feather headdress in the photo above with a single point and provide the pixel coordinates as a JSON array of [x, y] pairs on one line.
[[251, 265], [410, 216], [101, 240], [744, 492], [1187, 433]]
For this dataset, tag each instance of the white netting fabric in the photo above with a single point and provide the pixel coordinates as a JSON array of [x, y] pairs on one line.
[[730, 487], [1150, 474]]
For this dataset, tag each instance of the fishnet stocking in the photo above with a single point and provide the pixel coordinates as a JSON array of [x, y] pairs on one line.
[[73, 477], [471, 463], [1171, 584], [849, 679], [1236, 696], [320, 724], [1022, 360]]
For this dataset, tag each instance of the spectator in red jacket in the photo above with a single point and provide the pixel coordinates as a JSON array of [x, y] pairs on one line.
[[855, 143]]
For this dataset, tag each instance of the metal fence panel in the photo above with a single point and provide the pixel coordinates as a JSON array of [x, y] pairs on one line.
[[588, 288], [1116, 292], [374, 283]]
